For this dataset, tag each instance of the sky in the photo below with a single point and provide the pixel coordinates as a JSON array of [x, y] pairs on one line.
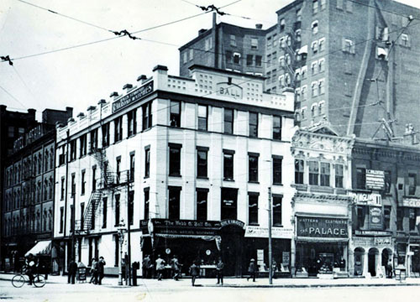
[[44, 75]]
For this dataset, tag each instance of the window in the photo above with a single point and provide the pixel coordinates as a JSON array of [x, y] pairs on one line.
[[72, 217], [361, 216], [229, 204], [277, 127], [118, 168], [73, 184], [340, 4], [147, 115], [202, 162], [202, 117], [253, 208], [303, 92], [175, 114], [132, 122], [303, 71], [321, 45], [314, 110], [233, 40], [132, 166], [83, 145], [105, 135], [382, 53], [277, 210], [277, 167], [258, 61], [321, 86], [63, 188], [249, 60], [174, 160], [387, 217], [412, 183], [93, 140], [274, 75], [236, 58], [254, 43], [405, 40], [117, 209], [360, 178], [174, 203], [314, 27], [413, 213], [287, 59], [61, 219], [253, 124], [314, 89], [268, 41], [282, 62], [185, 57], [321, 65], [400, 217], [147, 161], [83, 182], [82, 212], [303, 113], [208, 44], [387, 182], [314, 47], [228, 164], [339, 176], [325, 174], [146, 203], [253, 167], [315, 6], [202, 204], [72, 154], [348, 46], [314, 67], [104, 211], [313, 173], [349, 6], [191, 54], [131, 207], [323, 4], [93, 178]]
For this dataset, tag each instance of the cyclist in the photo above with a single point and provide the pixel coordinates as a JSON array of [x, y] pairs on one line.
[[30, 267]]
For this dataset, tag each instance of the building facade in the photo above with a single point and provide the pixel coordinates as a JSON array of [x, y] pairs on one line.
[[27, 206], [189, 170], [352, 63], [321, 205], [386, 207]]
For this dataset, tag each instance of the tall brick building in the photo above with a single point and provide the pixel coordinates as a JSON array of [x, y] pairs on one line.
[[352, 62]]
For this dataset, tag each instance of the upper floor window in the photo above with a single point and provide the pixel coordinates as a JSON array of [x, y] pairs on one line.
[[228, 121], [105, 135], [83, 182], [132, 122], [277, 170], [325, 174], [202, 162], [191, 54], [315, 6], [228, 164], [412, 183], [313, 173], [277, 210], [236, 58], [277, 127], [282, 25], [321, 44], [253, 124], [132, 165], [72, 152], [405, 40], [339, 176], [93, 140], [208, 44], [175, 159], [253, 167], [202, 117], [233, 40], [258, 61], [253, 208], [174, 203], [147, 115], [83, 145], [323, 4], [118, 129], [175, 114], [314, 27], [254, 43], [348, 46], [146, 161], [360, 178], [202, 204]]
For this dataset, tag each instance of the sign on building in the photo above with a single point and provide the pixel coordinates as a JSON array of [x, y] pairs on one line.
[[411, 202], [375, 179], [319, 227], [133, 96], [261, 232], [229, 90]]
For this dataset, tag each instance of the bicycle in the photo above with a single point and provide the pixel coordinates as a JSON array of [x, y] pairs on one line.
[[20, 279]]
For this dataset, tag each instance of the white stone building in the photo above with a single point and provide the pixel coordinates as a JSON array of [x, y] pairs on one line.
[[196, 156]]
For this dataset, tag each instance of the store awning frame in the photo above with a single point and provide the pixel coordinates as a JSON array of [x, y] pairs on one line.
[[40, 248]]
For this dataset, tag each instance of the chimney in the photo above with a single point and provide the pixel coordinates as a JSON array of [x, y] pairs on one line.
[[258, 26], [81, 115], [142, 78], [114, 94], [102, 101], [127, 86], [201, 31]]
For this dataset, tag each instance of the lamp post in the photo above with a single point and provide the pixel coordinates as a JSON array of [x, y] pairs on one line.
[[120, 230], [270, 248]]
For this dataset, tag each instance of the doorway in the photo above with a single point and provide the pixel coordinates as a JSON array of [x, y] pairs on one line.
[[372, 261], [231, 250]]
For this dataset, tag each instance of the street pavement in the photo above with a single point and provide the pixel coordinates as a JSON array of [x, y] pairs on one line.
[[234, 289]]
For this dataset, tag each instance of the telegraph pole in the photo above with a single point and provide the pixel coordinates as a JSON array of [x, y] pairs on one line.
[[128, 265], [270, 248]]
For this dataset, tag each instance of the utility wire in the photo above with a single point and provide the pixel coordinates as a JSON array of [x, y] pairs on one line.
[[7, 92]]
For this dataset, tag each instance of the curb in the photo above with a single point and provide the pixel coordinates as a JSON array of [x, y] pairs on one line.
[[310, 285]]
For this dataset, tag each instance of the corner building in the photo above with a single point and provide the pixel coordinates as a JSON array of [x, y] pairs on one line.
[[188, 168]]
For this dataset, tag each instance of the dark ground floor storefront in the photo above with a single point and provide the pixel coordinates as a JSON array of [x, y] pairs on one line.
[[205, 242]]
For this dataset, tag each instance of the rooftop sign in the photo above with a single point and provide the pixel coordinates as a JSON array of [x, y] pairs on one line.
[[132, 97]]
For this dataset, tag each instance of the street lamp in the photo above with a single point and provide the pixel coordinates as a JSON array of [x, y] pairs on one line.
[[121, 230]]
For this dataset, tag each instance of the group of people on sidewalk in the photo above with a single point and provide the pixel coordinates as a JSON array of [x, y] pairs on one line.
[[97, 271]]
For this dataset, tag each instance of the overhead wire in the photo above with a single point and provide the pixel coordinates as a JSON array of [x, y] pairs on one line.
[[9, 94]]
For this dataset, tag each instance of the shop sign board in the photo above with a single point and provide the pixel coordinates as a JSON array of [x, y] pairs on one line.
[[371, 233], [320, 227], [372, 241], [368, 199], [382, 241], [261, 232], [132, 97], [411, 202], [375, 179], [226, 222], [180, 227], [375, 218]]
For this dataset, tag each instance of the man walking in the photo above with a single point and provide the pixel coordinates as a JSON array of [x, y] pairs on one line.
[[160, 266], [175, 267], [101, 265], [146, 266], [252, 270], [94, 272], [194, 270], [72, 272]]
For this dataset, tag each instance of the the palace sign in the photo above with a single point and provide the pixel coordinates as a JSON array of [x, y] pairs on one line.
[[132, 97], [320, 227]]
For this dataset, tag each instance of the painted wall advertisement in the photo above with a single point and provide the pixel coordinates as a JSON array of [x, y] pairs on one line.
[[320, 227], [375, 218], [375, 179]]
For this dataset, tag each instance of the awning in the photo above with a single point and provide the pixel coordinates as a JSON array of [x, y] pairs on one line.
[[41, 247], [177, 236], [303, 50]]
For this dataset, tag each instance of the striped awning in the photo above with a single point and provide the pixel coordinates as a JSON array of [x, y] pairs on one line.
[[40, 248]]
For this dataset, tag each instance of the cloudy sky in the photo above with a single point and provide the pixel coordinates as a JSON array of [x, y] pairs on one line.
[[60, 62]]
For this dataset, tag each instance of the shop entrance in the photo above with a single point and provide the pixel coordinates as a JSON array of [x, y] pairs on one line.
[[386, 257], [372, 261], [359, 254], [232, 248]]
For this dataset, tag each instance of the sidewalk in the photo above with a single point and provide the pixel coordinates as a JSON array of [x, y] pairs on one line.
[[243, 283]]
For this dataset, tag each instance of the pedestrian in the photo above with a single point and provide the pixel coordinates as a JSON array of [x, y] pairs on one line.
[[160, 266], [389, 269], [175, 267], [94, 272], [252, 270], [146, 266], [101, 265], [219, 271], [194, 271], [72, 272]]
